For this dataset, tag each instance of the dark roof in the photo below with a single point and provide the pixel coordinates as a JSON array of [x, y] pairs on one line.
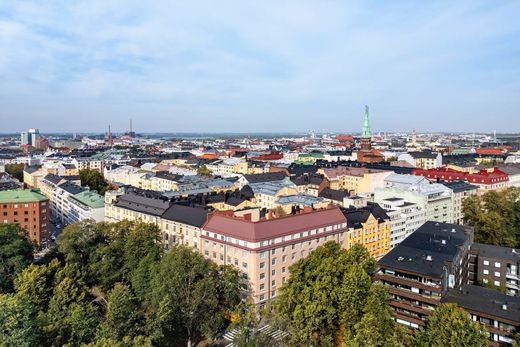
[[69, 166], [295, 169], [333, 194], [356, 216], [459, 186], [168, 176], [191, 215], [307, 179], [265, 177], [31, 169], [53, 178], [485, 300], [71, 178], [423, 154], [143, 204], [496, 252], [71, 188], [428, 249]]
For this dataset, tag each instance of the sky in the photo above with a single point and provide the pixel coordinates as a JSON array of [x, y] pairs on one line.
[[259, 66]]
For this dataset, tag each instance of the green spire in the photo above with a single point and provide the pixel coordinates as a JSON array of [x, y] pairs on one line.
[[366, 132]]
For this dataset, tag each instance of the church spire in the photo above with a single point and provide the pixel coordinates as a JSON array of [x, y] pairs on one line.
[[366, 132]]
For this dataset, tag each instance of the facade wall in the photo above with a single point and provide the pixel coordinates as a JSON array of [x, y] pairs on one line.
[[31, 216]]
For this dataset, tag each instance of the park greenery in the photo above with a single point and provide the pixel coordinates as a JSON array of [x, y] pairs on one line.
[[94, 180], [204, 171], [495, 217], [112, 284]]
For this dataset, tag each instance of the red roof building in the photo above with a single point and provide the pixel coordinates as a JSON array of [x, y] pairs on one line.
[[485, 180], [489, 151], [263, 249]]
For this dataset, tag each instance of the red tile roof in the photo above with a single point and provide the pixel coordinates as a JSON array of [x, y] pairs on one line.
[[240, 228]]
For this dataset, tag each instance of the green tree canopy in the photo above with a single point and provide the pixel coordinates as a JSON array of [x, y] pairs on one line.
[[189, 300], [325, 293], [16, 252], [450, 326], [17, 321], [94, 180], [204, 171], [15, 170], [495, 217]]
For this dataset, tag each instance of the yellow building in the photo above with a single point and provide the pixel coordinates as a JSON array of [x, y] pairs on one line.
[[370, 227], [355, 179]]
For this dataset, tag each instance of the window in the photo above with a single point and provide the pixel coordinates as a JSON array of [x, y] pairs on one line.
[[262, 265], [273, 272], [273, 261], [497, 283], [497, 265], [486, 262], [485, 280], [273, 283], [262, 276], [262, 286], [485, 272], [497, 274], [262, 297]]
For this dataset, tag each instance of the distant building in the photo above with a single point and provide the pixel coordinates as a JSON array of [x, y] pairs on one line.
[[366, 133], [29, 209], [422, 160]]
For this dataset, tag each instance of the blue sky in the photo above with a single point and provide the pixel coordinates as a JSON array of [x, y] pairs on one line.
[[234, 66]]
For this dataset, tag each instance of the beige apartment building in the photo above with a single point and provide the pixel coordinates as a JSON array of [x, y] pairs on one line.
[[355, 179], [263, 249]]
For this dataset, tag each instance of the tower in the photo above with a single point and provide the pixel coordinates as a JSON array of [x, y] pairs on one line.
[[366, 133], [109, 137], [131, 132], [414, 137]]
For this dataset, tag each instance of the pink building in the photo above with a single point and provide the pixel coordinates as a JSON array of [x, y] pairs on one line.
[[264, 248]]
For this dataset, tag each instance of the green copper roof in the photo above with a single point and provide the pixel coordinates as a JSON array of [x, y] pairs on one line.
[[91, 199], [366, 132], [20, 195]]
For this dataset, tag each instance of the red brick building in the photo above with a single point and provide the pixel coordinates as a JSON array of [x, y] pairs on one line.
[[29, 209]]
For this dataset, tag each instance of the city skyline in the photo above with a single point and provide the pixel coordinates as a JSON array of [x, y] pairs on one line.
[[297, 66]]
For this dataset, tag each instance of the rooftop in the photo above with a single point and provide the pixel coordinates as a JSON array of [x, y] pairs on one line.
[[21, 195], [487, 301], [428, 249], [497, 252], [195, 216], [91, 199], [241, 228]]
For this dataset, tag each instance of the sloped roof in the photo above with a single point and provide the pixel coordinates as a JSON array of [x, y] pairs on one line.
[[243, 229]]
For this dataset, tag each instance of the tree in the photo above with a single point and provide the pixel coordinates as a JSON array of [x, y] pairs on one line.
[[325, 293], [279, 211], [15, 170], [204, 171], [17, 316], [36, 283], [377, 327], [185, 297], [94, 180], [138, 341], [495, 217], [450, 326], [122, 316], [16, 252], [71, 318]]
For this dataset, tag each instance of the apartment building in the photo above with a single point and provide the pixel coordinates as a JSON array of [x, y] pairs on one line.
[[370, 227], [405, 218], [434, 198], [422, 159], [263, 249], [356, 180], [423, 267], [484, 180], [498, 313], [120, 206], [29, 209], [71, 203], [461, 191], [181, 224], [495, 266], [165, 182]]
